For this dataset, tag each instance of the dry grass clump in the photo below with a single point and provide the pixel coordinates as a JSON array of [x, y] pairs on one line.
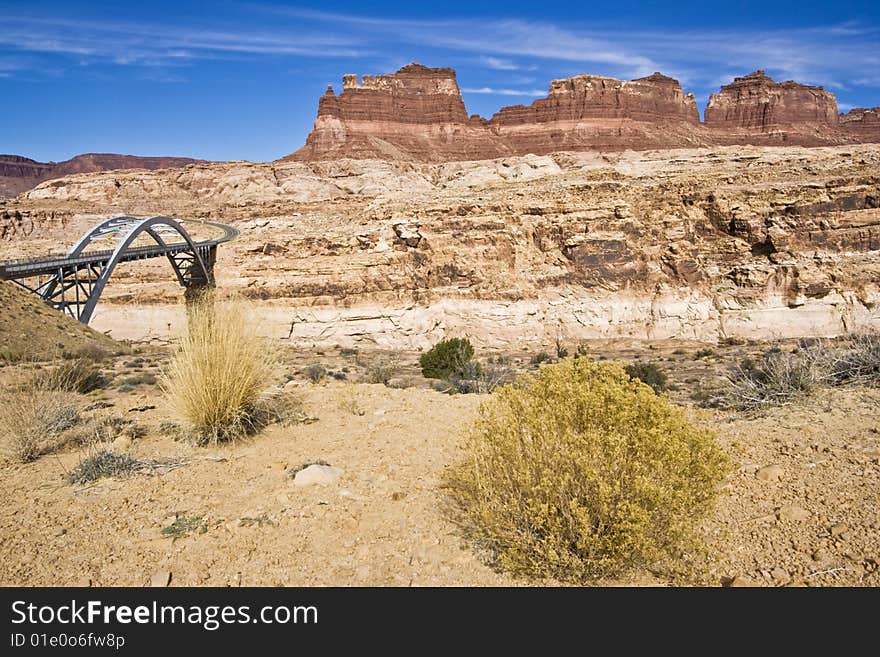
[[218, 378], [579, 472], [33, 419], [79, 375]]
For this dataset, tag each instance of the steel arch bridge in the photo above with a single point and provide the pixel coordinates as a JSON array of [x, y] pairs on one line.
[[73, 282]]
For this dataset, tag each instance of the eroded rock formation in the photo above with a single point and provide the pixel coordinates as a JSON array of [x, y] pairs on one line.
[[418, 114]]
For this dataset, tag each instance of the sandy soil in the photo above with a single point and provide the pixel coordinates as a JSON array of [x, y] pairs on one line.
[[812, 520]]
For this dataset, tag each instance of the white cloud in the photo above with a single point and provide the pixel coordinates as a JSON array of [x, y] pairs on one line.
[[504, 92], [499, 64]]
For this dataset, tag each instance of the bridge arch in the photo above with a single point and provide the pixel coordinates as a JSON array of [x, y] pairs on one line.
[[185, 275], [73, 283]]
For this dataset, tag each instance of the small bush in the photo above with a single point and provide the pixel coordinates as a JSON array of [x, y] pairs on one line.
[[561, 351], [650, 374], [102, 463], [381, 371], [541, 357], [447, 358], [79, 375], [858, 361], [777, 378], [475, 378], [220, 373], [139, 379], [315, 373], [579, 472], [704, 353]]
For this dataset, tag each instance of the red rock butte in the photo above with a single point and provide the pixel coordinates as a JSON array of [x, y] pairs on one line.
[[418, 114]]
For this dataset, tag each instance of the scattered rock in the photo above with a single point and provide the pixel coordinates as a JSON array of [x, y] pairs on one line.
[[740, 581], [322, 475], [59, 531], [769, 473], [792, 513], [838, 530], [161, 578]]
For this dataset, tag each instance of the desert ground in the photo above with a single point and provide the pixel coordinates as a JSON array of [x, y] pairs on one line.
[[799, 509]]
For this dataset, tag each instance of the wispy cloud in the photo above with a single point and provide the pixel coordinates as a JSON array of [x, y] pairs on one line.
[[499, 64], [504, 92], [838, 57]]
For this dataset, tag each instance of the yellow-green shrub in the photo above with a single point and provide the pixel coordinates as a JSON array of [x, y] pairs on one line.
[[580, 472]]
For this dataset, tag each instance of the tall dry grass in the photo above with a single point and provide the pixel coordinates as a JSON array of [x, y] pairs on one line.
[[33, 418], [218, 379]]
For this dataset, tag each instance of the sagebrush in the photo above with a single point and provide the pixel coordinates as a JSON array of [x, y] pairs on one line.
[[218, 379], [579, 472]]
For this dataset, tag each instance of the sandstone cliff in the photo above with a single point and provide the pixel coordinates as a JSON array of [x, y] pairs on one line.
[[693, 243], [863, 124], [416, 111], [757, 109], [18, 174], [418, 114]]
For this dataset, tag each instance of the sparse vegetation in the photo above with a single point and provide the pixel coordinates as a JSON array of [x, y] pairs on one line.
[[145, 378], [777, 378], [579, 472], [382, 370], [79, 375], [541, 357], [33, 420], [650, 374], [857, 361], [218, 378], [704, 352], [347, 400], [100, 463], [315, 373], [447, 358]]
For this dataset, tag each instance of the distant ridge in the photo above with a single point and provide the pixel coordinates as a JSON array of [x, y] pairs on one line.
[[19, 174]]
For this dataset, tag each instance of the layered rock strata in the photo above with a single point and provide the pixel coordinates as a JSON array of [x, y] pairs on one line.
[[707, 243], [418, 114]]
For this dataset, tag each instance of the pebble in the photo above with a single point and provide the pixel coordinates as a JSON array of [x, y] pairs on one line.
[[740, 582], [769, 473], [59, 531], [793, 513], [161, 578], [838, 529], [780, 575]]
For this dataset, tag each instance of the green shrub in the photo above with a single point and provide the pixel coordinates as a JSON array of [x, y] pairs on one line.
[[579, 472], [648, 373], [447, 358]]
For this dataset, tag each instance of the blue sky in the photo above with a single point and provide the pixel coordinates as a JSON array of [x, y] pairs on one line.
[[241, 80]]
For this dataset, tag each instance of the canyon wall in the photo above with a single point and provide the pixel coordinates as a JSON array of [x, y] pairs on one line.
[[698, 244], [418, 114]]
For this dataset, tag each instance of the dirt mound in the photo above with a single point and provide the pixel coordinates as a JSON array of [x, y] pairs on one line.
[[29, 329]]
